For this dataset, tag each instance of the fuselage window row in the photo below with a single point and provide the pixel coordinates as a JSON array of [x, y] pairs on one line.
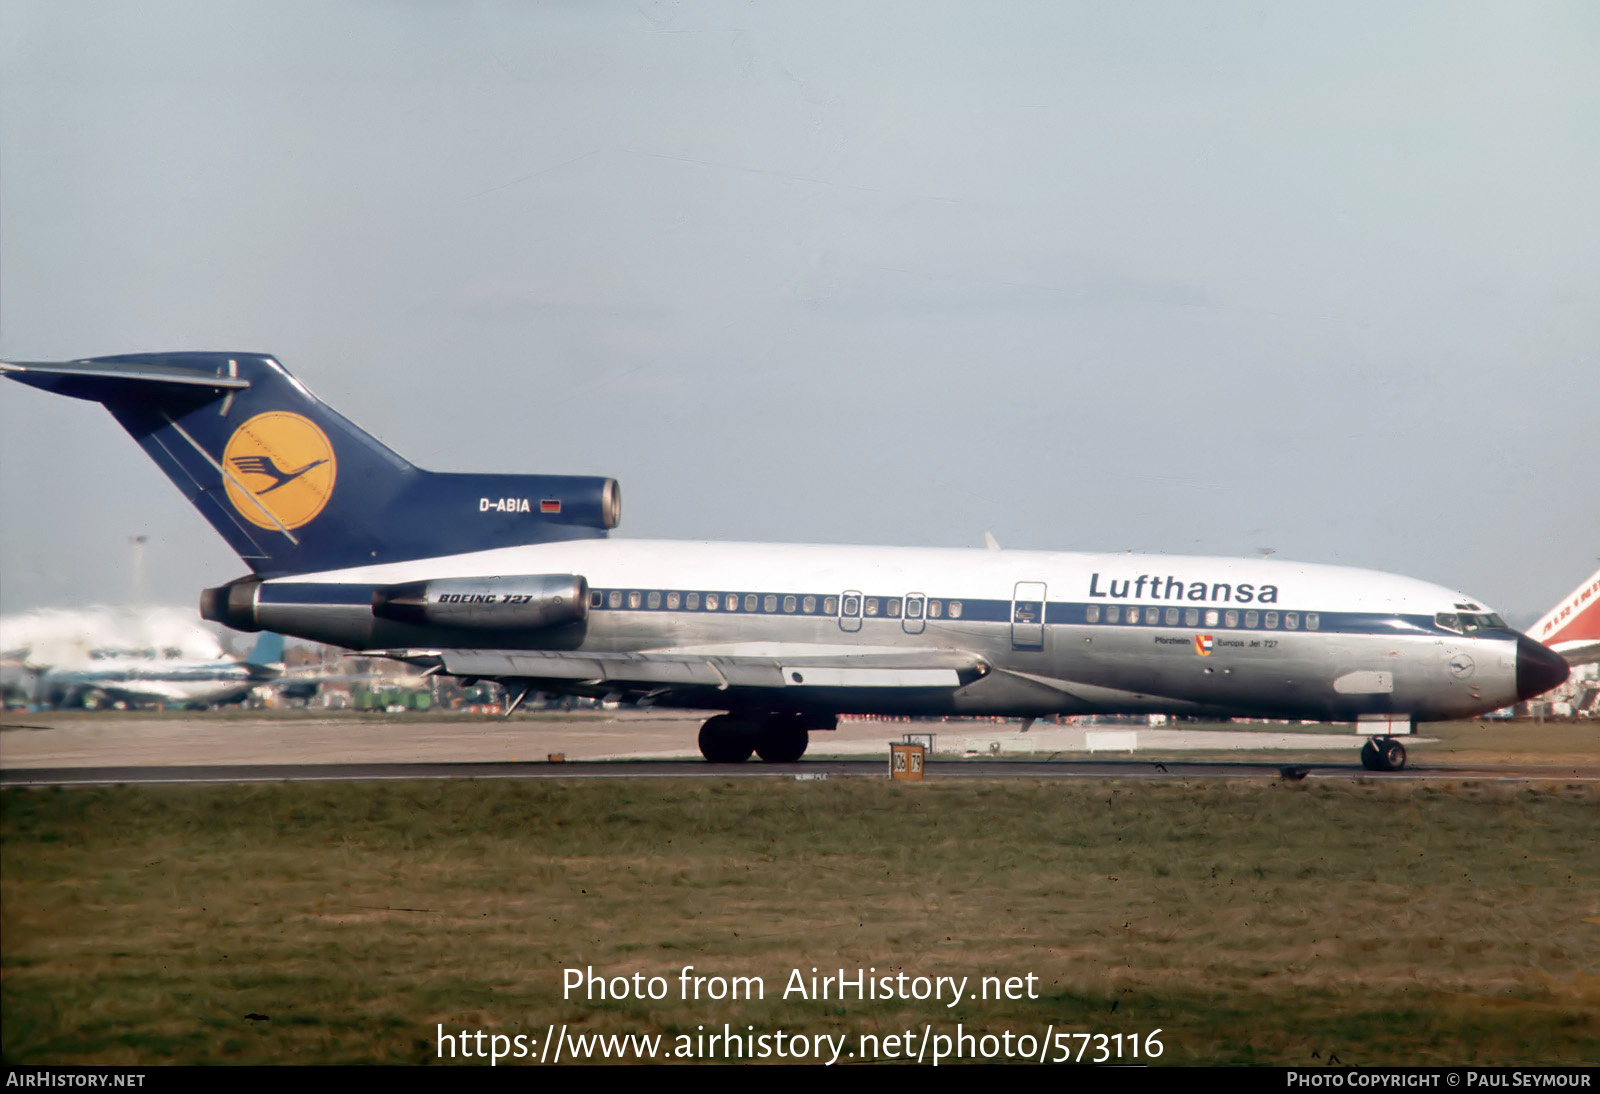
[[917, 607], [914, 607], [1196, 617]]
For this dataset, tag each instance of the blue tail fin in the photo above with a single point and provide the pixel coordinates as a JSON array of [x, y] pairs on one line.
[[268, 650], [295, 487]]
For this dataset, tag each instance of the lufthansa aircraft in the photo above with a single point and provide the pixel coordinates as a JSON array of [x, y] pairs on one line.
[[513, 578]]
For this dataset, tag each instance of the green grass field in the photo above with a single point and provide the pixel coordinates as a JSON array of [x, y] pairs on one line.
[[1252, 922]]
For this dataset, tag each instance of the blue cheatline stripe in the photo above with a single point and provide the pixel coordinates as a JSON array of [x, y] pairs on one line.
[[307, 592], [1056, 613]]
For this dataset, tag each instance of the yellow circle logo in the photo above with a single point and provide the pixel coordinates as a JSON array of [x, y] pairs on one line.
[[280, 470]]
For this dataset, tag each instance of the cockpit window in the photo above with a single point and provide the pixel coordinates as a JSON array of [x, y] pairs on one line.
[[1469, 622]]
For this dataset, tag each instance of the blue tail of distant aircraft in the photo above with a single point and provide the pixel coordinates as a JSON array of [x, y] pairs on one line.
[[293, 486], [268, 650]]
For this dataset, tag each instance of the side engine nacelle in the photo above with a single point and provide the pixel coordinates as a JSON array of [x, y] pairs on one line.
[[358, 614], [486, 603]]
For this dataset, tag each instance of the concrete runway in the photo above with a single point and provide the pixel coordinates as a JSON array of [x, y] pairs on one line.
[[827, 769], [104, 748]]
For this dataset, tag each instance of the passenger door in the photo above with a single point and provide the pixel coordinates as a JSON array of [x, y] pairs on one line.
[[915, 618], [1027, 616], [850, 610]]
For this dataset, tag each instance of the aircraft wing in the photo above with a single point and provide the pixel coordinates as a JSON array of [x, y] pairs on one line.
[[787, 669], [776, 666], [1579, 653], [148, 691]]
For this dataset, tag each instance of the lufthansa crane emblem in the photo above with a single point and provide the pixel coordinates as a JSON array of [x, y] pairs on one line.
[[280, 470]]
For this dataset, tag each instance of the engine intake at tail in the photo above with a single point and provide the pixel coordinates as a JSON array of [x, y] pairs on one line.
[[233, 605]]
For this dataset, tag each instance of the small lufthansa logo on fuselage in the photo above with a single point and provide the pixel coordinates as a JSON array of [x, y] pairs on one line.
[[280, 470]]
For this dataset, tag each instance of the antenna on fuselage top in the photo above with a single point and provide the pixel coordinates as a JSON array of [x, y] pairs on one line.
[[989, 540]]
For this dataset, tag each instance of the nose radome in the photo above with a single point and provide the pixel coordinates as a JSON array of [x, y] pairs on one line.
[[1539, 668]]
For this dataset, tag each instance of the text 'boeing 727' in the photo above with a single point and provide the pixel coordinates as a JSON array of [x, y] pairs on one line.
[[513, 578]]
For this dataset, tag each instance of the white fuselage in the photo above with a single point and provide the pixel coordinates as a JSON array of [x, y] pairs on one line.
[[199, 683], [1069, 632]]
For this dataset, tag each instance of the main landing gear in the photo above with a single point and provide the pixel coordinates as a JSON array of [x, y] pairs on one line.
[[776, 738], [1383, 754]]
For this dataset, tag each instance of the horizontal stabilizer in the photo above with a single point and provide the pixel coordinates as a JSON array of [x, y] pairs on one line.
[[97, 379]]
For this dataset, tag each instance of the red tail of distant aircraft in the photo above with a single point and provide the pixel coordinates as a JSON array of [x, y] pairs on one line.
[[1572, 627]]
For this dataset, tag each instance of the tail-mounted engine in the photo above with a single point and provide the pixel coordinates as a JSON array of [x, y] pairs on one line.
[[354, 615], [486, 603]]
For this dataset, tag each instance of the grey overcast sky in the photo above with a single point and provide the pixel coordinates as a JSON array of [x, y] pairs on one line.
[[1179, 277]]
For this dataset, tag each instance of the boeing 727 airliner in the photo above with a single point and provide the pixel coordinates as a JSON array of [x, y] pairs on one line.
[[513, 578]]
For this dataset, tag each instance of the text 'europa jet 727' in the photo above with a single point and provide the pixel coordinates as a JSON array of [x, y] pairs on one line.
[[513, 578]]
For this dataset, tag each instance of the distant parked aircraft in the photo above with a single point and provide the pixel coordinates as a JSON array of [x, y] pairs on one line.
[[83, 639], [1572, 627], [131, 677]]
